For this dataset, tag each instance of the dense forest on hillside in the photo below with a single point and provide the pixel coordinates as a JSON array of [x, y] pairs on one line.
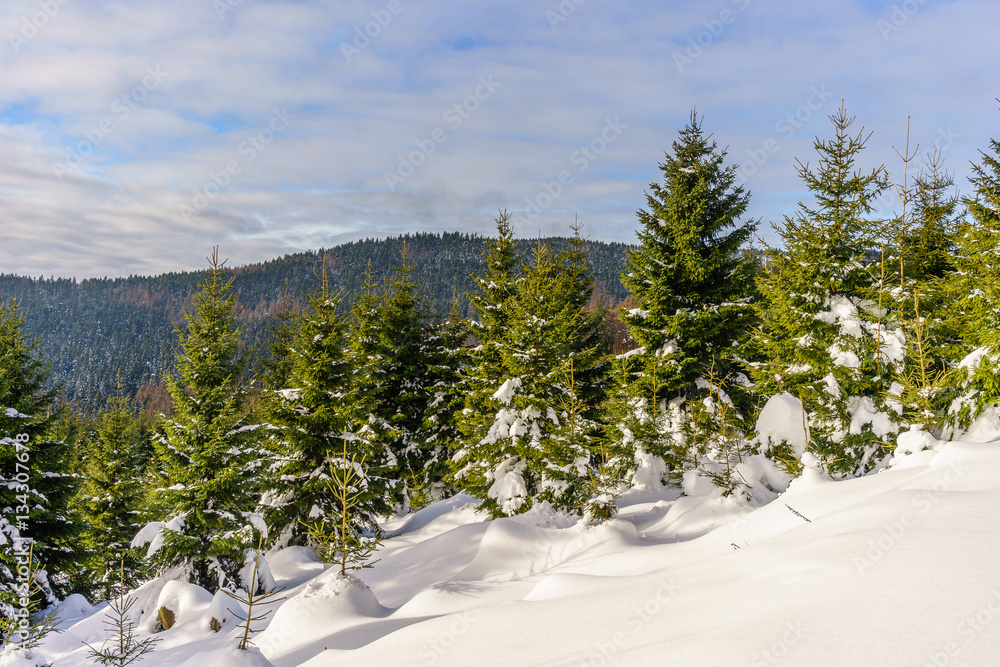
[[97, 331]]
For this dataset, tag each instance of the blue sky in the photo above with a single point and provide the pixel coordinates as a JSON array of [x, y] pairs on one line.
[[136, 135]]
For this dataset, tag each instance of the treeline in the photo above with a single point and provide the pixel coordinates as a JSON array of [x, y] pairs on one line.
[[858, 339], [98, 332]]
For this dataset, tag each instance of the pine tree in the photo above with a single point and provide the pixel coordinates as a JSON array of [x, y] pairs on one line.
[[692, 279], [531, 442], [976, 286], [35, 485], [208, 446], [446, 358], [110, 503], [310, 417], [821, 334], [923, 247]]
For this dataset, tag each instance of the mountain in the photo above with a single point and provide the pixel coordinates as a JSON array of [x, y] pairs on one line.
[[96, 332]]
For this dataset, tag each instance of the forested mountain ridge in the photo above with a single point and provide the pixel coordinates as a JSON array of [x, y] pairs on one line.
[[97, 331]]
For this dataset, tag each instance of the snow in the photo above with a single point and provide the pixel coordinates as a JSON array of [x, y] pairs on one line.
[[509, 489], [974, 359], [893, 568], [506, 391], [782, 420]]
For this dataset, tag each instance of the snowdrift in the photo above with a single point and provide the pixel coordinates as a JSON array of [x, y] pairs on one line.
[[896, 568]]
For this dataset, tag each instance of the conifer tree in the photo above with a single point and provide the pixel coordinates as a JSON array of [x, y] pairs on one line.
[[387, 352], [532, 442], [446, 358], [821, 337], [311, 418], [923, 243], [492, 302], [208, 446], [976, 285], [35, 482], [692, 279], [117, 454]]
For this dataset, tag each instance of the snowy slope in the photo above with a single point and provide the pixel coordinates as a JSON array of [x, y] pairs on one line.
[[897, 568]]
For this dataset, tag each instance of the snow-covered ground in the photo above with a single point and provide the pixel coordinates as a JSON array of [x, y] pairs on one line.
[[897, 568]]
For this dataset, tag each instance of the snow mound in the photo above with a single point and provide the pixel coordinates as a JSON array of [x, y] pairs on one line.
[[512, 550], [229, 656], [293, 566], [187, 601], [444, 515], [813, 475], [782, 420], [326, 605]]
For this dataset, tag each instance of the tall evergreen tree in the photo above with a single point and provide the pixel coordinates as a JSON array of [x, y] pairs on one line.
[[821, 336], [390, 366], [310, 418], [208, 446], [527, 438], [35, 480], [692, 279], [115, 463], [446, 358], [976, 285]]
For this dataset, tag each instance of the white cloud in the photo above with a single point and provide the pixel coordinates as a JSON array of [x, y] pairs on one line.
[[321, 180]]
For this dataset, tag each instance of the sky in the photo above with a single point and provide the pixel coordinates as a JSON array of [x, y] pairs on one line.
[[136, 135]]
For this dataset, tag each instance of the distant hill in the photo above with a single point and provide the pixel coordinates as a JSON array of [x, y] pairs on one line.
[[98, 330]]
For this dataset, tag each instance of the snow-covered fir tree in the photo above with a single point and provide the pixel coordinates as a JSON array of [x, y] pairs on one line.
[[692, 278], [36, 484], [527, 435], [445, 359], [309, 418], [823, 335], [111, 504], [914, 294], [208, 447], [976, 287], [393, 381]]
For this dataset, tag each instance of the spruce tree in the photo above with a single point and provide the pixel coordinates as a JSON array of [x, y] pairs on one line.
[[36, 484], [692, 279], [208, 446], [532, 440], [446, 358], [976, 286], [111, 504], [821, 336], [311, 418], [492, 300], [924, 246], [385, 341]]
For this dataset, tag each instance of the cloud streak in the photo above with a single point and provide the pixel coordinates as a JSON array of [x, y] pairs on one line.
[[162, 183]]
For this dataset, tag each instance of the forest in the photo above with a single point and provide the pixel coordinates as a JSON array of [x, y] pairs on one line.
[[556, 375]]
